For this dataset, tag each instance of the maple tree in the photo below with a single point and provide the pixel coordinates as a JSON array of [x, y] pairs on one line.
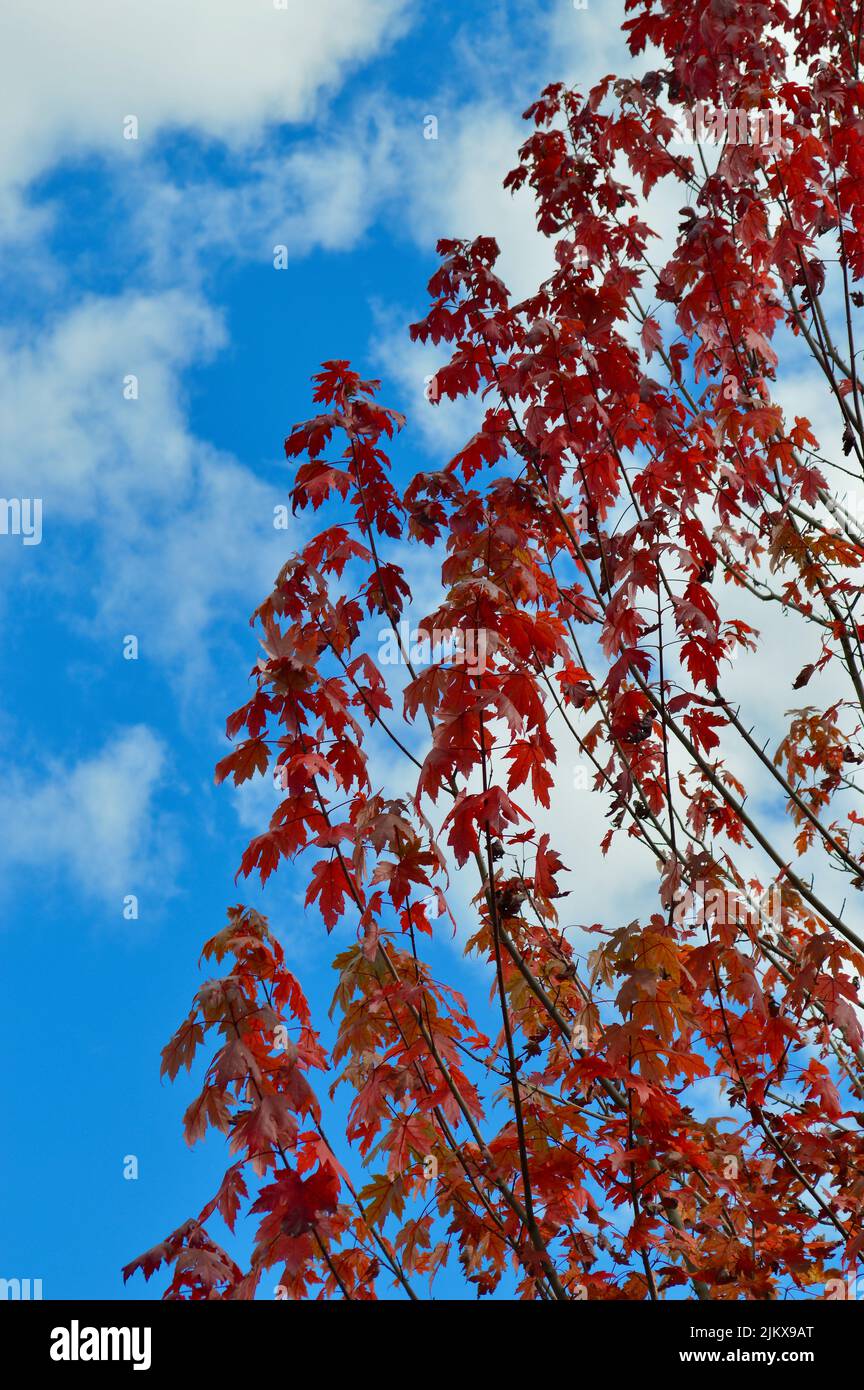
[[634, 480]]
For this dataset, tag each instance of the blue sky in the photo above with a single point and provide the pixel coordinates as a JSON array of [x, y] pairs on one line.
[[154, 258], [257, 127]]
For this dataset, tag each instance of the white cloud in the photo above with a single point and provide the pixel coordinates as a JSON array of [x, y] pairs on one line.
[[69, 74], [174, 528], [586, 44], [67, 431], [322, 193], [445, 425], [218, 553], [94, 821], [454, 188], [327, 191]]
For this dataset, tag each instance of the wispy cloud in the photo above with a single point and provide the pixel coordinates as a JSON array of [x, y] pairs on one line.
[[94, 823]]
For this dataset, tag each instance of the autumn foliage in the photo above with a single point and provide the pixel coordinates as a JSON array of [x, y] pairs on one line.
[[658, 1108]]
